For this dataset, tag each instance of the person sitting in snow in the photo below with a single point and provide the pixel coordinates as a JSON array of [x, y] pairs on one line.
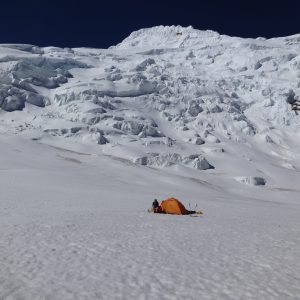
[[155, 204], [156, 207]]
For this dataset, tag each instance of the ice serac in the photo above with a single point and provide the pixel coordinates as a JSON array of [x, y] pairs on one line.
[[165, 96]]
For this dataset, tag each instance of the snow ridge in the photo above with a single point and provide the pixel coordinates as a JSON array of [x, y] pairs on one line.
[[164, 96]]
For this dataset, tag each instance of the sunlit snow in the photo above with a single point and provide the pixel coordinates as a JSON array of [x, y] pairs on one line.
[[89, 137]]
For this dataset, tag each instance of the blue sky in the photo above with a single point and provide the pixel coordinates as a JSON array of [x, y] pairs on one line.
[[98, 23]]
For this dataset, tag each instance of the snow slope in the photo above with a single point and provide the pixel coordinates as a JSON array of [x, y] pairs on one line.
[[90, 136]]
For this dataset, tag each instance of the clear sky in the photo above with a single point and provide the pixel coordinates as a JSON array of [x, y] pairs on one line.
[[98, 23]]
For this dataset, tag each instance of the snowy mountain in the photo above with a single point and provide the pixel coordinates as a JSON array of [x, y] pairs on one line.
[[164, 96], [170, 111]]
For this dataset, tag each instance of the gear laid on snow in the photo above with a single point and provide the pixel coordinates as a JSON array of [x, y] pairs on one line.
[[172, 206]]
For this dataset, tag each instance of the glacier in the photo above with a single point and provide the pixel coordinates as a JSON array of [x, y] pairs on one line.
[[89, 137]]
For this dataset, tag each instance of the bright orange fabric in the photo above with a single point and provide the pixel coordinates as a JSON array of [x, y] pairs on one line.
[[173, 206]]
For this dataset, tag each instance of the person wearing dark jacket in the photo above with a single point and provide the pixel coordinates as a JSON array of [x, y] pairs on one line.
[[155, 204]]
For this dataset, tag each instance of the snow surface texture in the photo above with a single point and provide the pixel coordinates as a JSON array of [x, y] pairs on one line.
[[90, 136]]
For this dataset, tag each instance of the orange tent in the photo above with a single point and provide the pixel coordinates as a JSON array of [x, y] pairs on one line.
[[173, 206]]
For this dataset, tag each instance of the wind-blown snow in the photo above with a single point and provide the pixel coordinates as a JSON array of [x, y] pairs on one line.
[[90, 136]]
